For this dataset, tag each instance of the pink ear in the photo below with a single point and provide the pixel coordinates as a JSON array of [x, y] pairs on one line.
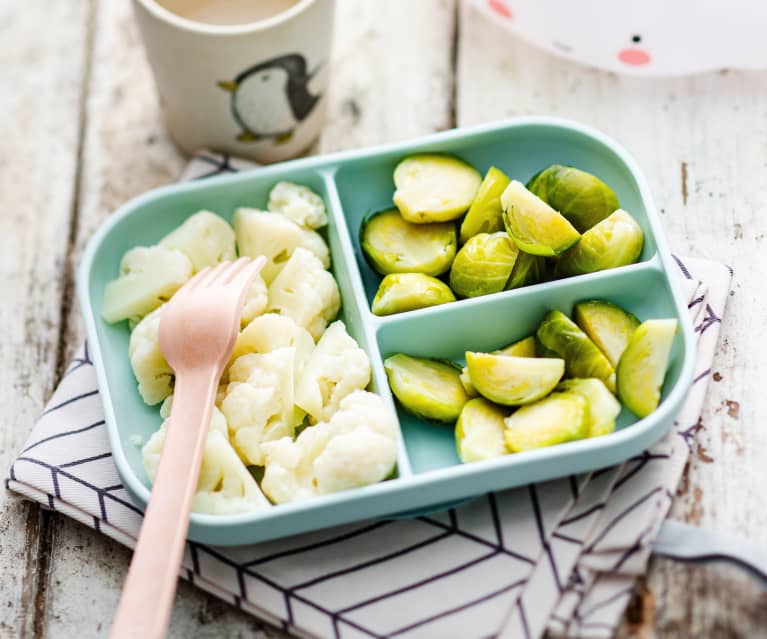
[[634, 57], [500, 7]]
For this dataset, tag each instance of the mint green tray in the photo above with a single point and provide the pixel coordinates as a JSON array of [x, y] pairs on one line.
[[353, 183]]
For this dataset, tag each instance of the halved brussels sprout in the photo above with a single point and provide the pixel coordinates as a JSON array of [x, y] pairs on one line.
[[479, 433], [393, 245], [434, 188], [522, 348], [483, 265], [148, 277], [608, 325], [427, 388], [528, 269], [581, 197], [466, 383], [205, 238], [485, 213], [558, 333], [642, 367], [559, 418], [535, 226], [400, 292], [511, 380], [603, 407], [615, 241]]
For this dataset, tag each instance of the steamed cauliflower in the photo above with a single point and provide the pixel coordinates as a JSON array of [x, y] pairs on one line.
[[299, 204], [148, 277], [305, 292], [336, 367], [276, 238], [256, 301], [205, 238], [153, 374], [258, 404], [288, 367], [225, 486], [271, 331], [357, 446]]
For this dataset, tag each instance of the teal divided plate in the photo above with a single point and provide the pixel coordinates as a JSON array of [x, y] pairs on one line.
[[352, 183]]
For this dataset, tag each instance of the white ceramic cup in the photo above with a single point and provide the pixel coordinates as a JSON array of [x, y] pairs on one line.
[[256, 90]]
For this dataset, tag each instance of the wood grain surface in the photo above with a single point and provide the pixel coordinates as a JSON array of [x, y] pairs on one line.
[[82, 133]]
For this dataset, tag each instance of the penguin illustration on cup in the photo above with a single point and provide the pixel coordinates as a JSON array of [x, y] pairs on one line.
[[269, 99]]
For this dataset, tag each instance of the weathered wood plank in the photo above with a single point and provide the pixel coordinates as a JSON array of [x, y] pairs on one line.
[[392, 72], [43, 58], [701, 142], [127, 151]]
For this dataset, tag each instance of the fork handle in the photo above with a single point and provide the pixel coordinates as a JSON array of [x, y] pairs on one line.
[[147, 599]]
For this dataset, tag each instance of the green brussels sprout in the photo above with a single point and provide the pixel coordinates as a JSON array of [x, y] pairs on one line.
[[581, 197], [528, 269], [479, 432], [466, 382], [428, 388], [513, 381], [542, 351], [535, 226], [608, 325], [603, 407], [559, 418], [434, 188], [400, 292], [558, 333], [522, 348], [615, 241], [483, 265], [393, 245], [485, 214], [642, 367]]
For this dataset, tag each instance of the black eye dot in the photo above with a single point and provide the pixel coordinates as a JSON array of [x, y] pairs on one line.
[[636, 39], [265, 78]]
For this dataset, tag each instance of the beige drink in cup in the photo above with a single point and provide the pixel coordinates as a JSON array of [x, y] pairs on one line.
[[247, 77]]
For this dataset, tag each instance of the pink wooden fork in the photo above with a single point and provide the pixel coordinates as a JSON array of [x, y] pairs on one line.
[[197, 333]]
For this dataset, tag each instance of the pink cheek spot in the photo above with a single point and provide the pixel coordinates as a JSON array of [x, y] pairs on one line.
[[635, 57], [500, 7]]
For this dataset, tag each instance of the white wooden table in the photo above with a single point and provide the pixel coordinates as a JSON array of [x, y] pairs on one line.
[[81, 133]]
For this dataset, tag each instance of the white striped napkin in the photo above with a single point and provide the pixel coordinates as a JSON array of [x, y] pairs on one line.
[[560, 556]]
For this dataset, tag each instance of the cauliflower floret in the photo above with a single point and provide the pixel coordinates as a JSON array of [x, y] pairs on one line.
[[205, 238], [276, 238], [153, 373], [255, 302], [305, 292], [314, 243], [271, 331], [148, 277], [336, 367], [356, 447], [298, 203], [225, 485], [258, 405]]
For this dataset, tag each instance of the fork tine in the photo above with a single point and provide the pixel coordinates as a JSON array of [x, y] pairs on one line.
[[211, 273], [190, 284], [246, 274], [200, 275], [224, 272]]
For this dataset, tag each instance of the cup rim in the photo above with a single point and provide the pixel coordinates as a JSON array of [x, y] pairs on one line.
[[161, 13]]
